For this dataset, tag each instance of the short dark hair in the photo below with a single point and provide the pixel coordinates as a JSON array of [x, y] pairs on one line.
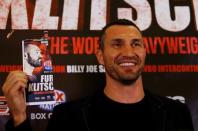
[[117, 22]]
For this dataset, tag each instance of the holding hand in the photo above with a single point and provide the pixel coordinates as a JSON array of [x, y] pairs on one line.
[[13, 89]]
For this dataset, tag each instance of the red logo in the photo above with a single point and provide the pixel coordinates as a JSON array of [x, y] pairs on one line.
[[59, 96]]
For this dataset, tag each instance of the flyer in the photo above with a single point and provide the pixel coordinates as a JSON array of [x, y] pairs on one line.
[[37, 64]]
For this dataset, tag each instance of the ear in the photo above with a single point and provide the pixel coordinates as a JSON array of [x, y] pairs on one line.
[[25, 56], [99, 56]]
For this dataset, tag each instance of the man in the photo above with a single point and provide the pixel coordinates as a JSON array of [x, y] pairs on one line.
[[122, 105], [32, 59]]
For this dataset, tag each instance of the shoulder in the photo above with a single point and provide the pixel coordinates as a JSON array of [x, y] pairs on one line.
[[167, 103], [176, 113], [73, 105], [79, 104]]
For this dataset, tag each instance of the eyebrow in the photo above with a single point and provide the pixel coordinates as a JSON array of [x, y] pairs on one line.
[[133, 40], [137, 40], [117, 39]]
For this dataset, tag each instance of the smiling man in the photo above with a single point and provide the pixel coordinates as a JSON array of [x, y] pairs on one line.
[[123, 104], [123, 56]]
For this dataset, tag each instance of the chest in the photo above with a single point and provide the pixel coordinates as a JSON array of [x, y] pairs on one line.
[[119, 118]]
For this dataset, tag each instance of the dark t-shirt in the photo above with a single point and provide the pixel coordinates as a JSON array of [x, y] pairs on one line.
[[107, 114], [153, 113]]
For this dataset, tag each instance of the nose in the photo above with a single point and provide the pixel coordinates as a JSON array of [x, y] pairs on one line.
[[128, 50]]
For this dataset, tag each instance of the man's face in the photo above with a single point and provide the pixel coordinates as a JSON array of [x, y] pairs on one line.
[[124, 53], [34, 56]]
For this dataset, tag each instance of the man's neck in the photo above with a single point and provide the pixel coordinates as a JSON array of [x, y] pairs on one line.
[[125, 93]]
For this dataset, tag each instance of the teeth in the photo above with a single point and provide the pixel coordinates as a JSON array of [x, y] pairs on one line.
[[127, 64]]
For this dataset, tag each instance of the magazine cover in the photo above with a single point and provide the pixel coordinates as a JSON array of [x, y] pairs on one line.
[[37, 65]]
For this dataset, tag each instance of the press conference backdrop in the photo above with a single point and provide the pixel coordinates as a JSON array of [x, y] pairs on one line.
[[170, 30]]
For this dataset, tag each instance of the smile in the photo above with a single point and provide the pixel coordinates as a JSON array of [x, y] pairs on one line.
[[127, 64]]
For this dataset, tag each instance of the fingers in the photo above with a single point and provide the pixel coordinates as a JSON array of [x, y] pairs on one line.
[[17, 87], [14, 82], [13, 89]]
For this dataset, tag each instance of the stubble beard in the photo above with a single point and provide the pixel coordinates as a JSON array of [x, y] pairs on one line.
[[125, 79], [35, 63]]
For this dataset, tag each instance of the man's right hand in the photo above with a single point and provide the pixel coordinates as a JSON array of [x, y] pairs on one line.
[[13, 89]]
